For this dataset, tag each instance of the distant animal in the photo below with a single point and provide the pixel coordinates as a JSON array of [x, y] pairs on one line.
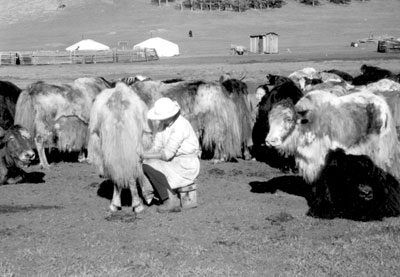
[[308, 72], [237, 90], [15, 153], [353, 187], [284, 89], [119, 133], [58, 115], [344, 75], [211, 111], [370, 74], [9, 94], [360, 123]]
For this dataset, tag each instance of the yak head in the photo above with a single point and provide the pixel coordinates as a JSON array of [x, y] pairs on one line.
[[16, 145], [282, 121]]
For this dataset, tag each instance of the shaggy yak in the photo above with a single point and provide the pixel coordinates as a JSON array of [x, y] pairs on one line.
[[118, 135], [284, 89], [208, 107], [58, 115], [353, 187], [8, 98], [361, 123], [238, 92], [15, 153]]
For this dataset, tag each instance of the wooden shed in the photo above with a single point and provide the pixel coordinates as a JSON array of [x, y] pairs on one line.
[[256, 44], [271, 43], [267, 43]]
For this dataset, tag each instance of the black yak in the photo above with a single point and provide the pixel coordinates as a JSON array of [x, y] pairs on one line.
[[15, 153], [370, 74], [9, 94], [353, 187], [284, 89]]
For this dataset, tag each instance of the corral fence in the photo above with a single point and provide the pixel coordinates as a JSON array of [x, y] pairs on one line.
[[77, 57]]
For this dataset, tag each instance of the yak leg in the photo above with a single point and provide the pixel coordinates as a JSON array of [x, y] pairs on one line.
[[137, 205], [116, 200], [39, 142]]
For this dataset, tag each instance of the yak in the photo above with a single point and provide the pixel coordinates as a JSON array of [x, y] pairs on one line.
[[344, 75], [353, 187], [208, 107], [360, 123], [370, 74], [119, 133], [237, 90], [15, 153], [9, 94], [58, 115], [283, 89]]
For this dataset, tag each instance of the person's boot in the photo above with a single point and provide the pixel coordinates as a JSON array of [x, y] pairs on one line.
[[171, 205]]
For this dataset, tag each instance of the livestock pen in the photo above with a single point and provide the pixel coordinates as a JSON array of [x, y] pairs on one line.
[[77, 57]]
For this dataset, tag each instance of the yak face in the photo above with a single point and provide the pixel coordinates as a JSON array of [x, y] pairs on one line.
[[282, 121], [276, 80], [17, 144]]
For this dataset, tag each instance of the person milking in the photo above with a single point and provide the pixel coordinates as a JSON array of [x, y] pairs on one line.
[[173, 160]]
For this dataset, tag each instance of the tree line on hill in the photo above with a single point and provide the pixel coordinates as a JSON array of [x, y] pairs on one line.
[[240, 5]]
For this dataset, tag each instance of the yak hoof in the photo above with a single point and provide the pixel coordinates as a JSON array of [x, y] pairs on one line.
[[114, 208], [139, 209], [43, 166]]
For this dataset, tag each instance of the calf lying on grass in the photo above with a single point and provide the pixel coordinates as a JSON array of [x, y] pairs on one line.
[[351, 186], [15, 152]]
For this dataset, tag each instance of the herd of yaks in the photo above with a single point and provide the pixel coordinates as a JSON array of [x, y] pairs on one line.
[[339, 132]]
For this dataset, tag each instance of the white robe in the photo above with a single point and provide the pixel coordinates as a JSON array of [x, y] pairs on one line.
[[179, 145]]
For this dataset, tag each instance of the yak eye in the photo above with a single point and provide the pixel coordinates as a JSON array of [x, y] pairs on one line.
[[304, 121]]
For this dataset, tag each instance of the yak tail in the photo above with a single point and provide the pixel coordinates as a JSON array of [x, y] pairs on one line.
[[25, 112], [116, 134]]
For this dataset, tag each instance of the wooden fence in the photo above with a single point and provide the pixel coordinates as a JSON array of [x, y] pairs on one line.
[[77, 57]]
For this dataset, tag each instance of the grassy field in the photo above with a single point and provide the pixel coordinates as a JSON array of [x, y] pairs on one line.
[[251, 218]]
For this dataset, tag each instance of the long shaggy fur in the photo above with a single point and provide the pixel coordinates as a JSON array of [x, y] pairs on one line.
[[44, 109], [212, 113], [118, 134], [359, 123], [353, 187], [237, 90]]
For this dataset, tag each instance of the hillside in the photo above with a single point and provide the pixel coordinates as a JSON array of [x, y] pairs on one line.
[[42, 25]]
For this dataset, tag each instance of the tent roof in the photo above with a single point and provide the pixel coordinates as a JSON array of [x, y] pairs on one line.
[[87, 44], [163, 47]]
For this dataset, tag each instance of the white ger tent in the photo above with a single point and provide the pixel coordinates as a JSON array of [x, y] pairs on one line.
[[163, 47], [87, 44]]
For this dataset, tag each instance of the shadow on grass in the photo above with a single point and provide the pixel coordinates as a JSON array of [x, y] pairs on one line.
[[106, 189], [4, 209], [290, 184], [34, 177]]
